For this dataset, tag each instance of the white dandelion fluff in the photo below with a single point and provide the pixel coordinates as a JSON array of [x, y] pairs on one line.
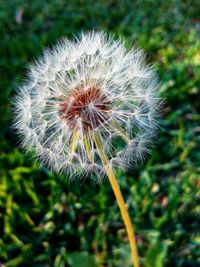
[[92, 86]]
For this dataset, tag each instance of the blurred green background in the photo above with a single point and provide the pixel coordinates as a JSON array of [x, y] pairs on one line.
[[44, 222]]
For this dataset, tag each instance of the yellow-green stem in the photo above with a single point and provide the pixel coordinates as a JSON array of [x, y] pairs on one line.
[[124, 213], [120, 200]]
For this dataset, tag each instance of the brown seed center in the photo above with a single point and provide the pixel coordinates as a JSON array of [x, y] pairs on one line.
[[85, 107]]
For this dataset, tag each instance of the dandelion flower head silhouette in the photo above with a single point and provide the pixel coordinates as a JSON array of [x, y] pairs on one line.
[[82, 89]]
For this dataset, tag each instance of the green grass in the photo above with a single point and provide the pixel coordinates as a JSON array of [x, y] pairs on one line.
[[44, 222]]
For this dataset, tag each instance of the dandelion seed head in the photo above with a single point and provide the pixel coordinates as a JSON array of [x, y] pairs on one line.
[[89, 86]]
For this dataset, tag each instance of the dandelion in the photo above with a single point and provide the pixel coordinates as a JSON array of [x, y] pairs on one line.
[[89, 106]]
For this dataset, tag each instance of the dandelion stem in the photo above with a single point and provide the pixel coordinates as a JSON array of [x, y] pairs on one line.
[[119, 198], [124, 213]]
